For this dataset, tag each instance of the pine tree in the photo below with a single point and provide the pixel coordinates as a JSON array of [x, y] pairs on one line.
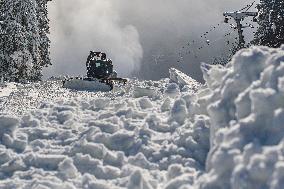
[[43, 21], [24, 45], [20, 38], [271, 23]]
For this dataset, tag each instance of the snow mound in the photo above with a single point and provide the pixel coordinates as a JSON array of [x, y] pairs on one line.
[[127, 138], [245, 103]]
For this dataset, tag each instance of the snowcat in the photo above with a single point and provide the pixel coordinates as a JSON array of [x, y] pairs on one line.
[[100, 75]]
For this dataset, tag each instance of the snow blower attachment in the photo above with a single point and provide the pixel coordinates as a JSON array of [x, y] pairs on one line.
[[100, 75]]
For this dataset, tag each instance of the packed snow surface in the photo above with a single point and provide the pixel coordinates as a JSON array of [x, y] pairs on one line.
[[6, 89], [135, 136], [173, 133]]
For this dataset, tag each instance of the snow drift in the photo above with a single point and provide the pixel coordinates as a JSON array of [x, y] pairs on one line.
[[245, 104], [137, 136], [170, 134]]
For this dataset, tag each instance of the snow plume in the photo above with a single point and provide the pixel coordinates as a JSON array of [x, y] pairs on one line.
[[80, 26], [165, 26]]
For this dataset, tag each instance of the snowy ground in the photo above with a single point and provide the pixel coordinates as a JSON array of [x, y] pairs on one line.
[[81, 139], [146, 135]]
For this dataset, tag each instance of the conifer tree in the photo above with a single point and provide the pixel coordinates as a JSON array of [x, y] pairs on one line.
[[271, 23], [43, 25], [24, 45]]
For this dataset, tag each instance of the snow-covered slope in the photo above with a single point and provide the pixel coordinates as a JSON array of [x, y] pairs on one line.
[[171, 134]]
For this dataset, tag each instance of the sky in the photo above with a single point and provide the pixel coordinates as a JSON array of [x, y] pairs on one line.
[[143, 38]]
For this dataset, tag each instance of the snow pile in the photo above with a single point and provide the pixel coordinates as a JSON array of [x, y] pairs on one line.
[[245, 104], [120, 139]]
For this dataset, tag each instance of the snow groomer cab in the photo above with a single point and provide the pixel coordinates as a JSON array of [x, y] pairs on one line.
[[98, 66]]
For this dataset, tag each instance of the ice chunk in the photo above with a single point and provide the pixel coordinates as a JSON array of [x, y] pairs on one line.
[[179, 111], [182, 79], [8, 125], [145, 103], [13, 165], [185, 179], [5, 155], [86, 164], [101, 103], [105, 126], [95, 150], [166, 106], [141, 161], [137, 181], [172, 90], [67, 169], [121, 141], [174, 171], [49, 161], [114, 159], [64, 116], [144, 91]]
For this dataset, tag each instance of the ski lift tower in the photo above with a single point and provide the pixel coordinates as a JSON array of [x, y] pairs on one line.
[[239, 16]]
